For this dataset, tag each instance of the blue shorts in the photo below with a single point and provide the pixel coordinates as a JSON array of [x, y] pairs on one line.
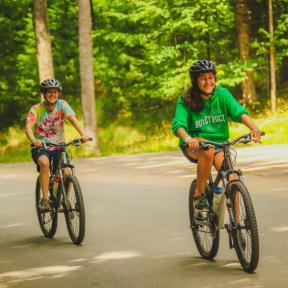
[[217, 149], [53, 155]]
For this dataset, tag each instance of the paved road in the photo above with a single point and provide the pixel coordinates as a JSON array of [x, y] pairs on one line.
[[137, 226]]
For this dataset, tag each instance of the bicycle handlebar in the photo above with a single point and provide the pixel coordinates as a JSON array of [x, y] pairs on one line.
[[75, 142], [205, 145]]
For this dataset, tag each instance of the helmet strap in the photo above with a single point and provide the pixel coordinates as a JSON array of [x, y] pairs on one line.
[[207, 94], [49, 105]]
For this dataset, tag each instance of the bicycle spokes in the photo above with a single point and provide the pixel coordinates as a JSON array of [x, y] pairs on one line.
[[47, 218], [74, 210], [243, 234], [245, 231], [205, 235]]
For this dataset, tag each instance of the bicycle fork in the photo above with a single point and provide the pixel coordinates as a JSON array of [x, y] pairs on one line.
[[63, 190], [231, 226]]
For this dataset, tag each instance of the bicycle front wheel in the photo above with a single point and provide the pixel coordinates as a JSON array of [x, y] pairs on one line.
[[205, 233], [74, 210], [245, 232], [47, 218]]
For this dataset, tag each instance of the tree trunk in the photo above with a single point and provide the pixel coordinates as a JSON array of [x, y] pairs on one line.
[[86, 72], [272, 60], [242, 17], [44, 51]]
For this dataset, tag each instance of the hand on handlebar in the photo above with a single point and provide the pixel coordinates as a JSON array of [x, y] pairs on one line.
[[37, 143], [256, 135], [86, 138], [192, 143]]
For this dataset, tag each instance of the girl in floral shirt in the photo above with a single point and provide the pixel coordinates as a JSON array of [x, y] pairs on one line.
[[45, 123]]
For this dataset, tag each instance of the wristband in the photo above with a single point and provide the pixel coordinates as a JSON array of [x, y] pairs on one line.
[[187, 138]]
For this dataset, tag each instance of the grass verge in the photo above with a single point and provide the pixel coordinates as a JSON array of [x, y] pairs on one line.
[[128, 140]]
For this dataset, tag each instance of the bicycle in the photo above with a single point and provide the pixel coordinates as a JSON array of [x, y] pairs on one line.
[[242, 225], [65, 197]]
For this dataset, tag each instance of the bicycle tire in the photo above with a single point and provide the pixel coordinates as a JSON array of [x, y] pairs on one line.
[[48, 220], [246, 223], [75, 213], [198, 232]]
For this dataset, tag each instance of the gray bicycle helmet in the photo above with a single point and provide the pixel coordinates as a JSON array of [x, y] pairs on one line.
[[201, 66], [50, 83]]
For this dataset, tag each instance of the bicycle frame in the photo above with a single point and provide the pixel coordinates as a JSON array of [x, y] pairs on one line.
[[64, 162], [225, 171], [241, 226], [223, 176]]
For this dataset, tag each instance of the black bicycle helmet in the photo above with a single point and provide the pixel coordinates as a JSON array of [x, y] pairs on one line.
[[201, 66], [50, 83]]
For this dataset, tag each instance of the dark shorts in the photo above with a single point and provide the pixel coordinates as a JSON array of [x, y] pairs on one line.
[[53, 155], [184, 151]]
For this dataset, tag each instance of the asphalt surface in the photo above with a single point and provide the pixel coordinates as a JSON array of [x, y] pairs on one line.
[[137, 230]]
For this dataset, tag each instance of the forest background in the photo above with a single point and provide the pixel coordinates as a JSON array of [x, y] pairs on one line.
[[142, 51]]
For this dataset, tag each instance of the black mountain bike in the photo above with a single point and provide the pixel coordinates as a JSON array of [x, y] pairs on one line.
[[65, 196], [242, 227]]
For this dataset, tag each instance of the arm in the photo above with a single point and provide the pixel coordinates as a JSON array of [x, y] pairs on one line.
[[30, 123], [30, 134], [180, 125], [191, 142], [255, 131], [78, 127]]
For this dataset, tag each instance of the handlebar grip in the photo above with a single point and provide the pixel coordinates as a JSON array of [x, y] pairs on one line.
[[202, 143], [262, 133]]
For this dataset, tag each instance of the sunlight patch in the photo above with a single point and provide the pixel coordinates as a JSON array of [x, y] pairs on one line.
[[36, 273], [231, 265], [12, 225], [116, 255], [281, 229], [78, 260], [239, 281]]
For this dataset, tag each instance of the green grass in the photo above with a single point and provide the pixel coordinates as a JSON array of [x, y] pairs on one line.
[[120, 139]]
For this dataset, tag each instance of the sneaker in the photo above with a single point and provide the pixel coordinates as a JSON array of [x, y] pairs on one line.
[[201, 202], [44, 204]]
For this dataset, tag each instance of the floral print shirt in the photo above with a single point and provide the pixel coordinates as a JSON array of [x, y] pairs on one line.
[[49, 125]]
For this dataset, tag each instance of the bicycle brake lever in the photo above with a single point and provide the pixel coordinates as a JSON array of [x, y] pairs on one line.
[[78, 142], [244, 141]]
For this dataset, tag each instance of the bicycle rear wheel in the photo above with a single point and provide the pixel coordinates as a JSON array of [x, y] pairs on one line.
[[245, 233], [205, 234], [74, 212], [47, 218]]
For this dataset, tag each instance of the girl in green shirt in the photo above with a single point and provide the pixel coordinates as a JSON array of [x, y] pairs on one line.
[[203, 113]]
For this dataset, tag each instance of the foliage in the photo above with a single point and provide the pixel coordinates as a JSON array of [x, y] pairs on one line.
[[17, 60], [117, 138], [142, 53]]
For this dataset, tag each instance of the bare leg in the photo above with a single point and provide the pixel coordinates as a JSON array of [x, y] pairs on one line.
[[205, 161], [43, 162], [68, 172], [218, 160]]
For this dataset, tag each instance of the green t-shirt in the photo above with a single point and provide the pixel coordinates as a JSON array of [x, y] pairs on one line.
[[212, 122]]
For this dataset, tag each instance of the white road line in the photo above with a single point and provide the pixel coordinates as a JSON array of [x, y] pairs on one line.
[[172, 163], [268, 163], [7, 176], [174, 172], [266, 167], [188, 176]]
